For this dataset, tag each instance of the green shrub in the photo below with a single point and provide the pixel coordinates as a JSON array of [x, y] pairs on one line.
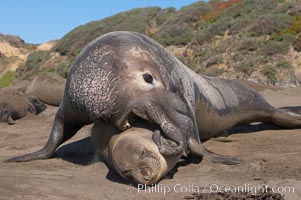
[[274, 47], [215, 72], [247, 65], [134, 20], [175, 35], [201, 37], [248, 44], [240, 23], [33, 64], [282, 37], [192, 13], [63, 68], [214, 60], [220, 26], [284, 65], [270, 72], [7, 79], [165, 15], [297, 43], [269, 23]]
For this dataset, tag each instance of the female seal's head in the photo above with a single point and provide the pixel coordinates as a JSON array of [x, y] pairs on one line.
[[136, 157]]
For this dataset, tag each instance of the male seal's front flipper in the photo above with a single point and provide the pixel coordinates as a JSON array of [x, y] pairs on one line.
[[166, 146], [200, 150], [60, 132]]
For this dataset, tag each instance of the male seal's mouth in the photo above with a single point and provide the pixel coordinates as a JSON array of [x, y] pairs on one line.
[[126, 121]]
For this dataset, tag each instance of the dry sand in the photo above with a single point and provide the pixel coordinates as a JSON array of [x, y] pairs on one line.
[[271, 157]]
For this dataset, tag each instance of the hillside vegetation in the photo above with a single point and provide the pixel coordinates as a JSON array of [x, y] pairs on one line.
[[238, 39]]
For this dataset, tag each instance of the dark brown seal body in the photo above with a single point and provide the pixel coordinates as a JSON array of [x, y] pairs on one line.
[[48, 87], [17, 105], [20, 86]]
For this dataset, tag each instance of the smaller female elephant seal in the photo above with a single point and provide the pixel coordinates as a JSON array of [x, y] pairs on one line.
[[133, 153], [48, 87], [17, 105]]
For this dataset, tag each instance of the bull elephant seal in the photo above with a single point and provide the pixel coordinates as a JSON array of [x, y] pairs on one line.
[[17, 105], [48, 87], [124, 75], [142, 163]]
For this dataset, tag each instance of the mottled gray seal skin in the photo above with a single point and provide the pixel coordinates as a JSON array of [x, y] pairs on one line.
[[122, 75], [48, 87], [16, 106], [132, 153]]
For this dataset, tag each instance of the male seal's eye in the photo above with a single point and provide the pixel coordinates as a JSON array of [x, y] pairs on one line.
[[148, 78]]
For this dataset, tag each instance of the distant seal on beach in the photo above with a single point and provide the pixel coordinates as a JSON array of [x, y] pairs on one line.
[[121, 76], [20, 86], [17, 105], [48, 87], [132, 153]]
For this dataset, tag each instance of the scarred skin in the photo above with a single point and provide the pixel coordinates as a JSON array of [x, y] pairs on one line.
[[132, 153], [125, 75]]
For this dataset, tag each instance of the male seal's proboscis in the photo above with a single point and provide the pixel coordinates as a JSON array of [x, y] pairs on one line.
[[132, 153], [122, 76]]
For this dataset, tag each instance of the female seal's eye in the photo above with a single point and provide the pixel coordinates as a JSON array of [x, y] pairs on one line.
[[148, 78]]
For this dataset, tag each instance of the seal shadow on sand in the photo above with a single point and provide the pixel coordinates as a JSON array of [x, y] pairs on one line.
[[81, 152]]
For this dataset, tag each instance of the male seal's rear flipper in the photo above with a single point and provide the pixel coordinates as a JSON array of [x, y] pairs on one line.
[[292, 109], [287, 117], [200, 150], [60, 132]]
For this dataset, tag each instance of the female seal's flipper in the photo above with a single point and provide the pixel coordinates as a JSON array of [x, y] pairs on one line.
[[200, 150]]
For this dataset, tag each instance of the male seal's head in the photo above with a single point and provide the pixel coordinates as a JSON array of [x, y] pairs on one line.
[[136, 157], [117, 78]]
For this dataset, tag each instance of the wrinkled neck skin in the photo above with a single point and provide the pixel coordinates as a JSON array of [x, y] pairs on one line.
[[208, 98]]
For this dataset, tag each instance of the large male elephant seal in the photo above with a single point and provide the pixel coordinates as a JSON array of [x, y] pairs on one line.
[[133, 153], [123, 75], [17, 105], [48, 87]]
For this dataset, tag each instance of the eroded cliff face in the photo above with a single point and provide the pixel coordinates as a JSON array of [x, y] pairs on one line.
[[14, 52]]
